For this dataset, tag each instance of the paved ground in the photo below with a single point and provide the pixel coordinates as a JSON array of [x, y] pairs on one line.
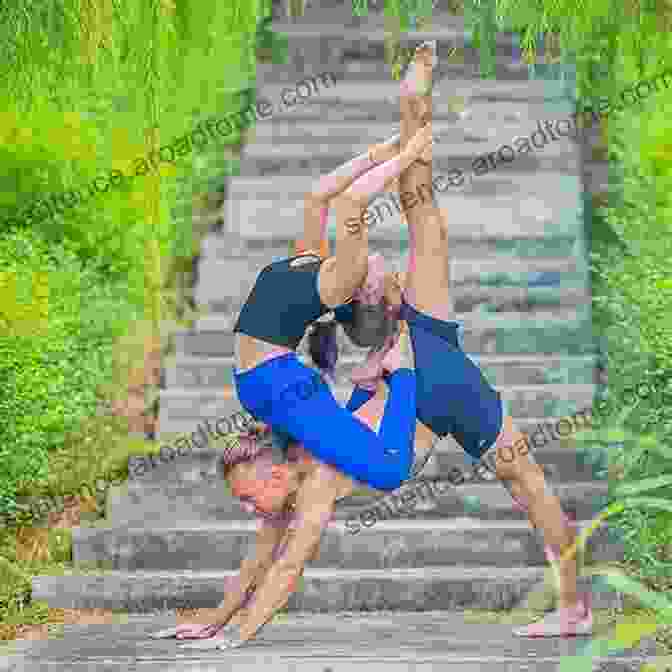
[[317, 643]]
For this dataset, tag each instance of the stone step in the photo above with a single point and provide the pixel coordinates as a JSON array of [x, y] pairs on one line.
[[311, 642], [220, 245], [200, 452], [298, 160], [521, 400], [462, 66], [497, 272], [446, 29], [170, 428], [494, 185], [332, 98], [475, 299], [506, 336], [323, 590], [511, 303], [492, 210], [387, 545], [455, 144], [153, 500], [485, 500], [309, 44], [217, 372], [175, 428]]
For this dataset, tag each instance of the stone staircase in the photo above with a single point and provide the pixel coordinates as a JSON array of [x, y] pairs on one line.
[[521, 287]]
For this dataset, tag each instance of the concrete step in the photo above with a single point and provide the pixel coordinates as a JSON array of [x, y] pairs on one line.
[[171, 429], [327, 101], [299, 161], [521, 400], [198, 458], [387, 545], [494, 185], [473, 246], [493, 210], [309, 44], [460, 67], [468, 302], [217, 372], [312, 642], [324, 590], [497, 272], [508, 334], [155, 502], [456, 145], [446, 29]]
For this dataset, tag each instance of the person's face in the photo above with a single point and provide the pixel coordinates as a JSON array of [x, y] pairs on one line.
[[263, 487]]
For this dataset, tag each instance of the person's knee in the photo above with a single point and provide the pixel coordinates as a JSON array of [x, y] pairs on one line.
[[513, 465], [524, 474]]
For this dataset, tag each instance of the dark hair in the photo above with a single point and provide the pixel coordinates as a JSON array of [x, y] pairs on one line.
[[322, 345], [370, 324]]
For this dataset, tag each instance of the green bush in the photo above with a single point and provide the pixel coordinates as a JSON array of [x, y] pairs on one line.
[[15, 588], [58, 322]]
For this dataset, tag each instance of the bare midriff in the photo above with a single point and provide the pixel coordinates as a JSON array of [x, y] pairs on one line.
[[251, 352]]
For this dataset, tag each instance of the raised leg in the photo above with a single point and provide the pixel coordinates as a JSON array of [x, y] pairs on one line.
[[427, 279]]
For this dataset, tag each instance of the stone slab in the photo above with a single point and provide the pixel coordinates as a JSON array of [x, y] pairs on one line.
[[296, 642], [484, 334], [389, 544], [546, 213], [521, 400], [560, 272], [183, 371], [468, 302], [324, 590], [155, 502]]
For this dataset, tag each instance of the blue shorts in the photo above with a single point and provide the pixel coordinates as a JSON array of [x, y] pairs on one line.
[[453, 397]]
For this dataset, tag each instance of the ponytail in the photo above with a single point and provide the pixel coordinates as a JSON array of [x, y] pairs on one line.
[[323, 347]]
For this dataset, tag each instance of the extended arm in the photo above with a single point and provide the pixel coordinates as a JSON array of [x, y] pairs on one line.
[[252, 570], [340, 279], [316, 206], [314, 507]]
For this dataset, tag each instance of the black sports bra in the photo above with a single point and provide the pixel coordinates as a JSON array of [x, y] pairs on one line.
[[284, 302]]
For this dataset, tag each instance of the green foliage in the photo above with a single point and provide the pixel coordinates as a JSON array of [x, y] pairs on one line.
[[15, 588], [58, 322], [89, 89]]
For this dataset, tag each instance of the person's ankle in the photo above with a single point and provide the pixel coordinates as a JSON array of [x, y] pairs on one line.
[[574, 605]]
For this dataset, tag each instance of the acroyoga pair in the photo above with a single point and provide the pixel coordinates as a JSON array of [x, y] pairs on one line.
[[416, 386]]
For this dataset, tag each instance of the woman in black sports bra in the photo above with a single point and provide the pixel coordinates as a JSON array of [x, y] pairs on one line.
[[291, 294]]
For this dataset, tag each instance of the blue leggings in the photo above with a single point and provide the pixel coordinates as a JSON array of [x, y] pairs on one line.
[[294, 399], [453, 396]]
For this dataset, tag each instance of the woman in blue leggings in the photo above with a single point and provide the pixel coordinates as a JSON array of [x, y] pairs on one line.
[[292, 294]]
